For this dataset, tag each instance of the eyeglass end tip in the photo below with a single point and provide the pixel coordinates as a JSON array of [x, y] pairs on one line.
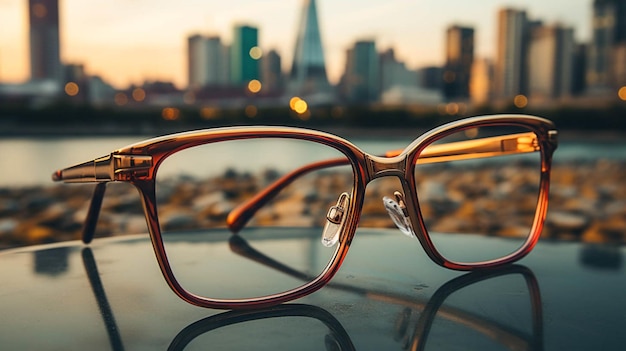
[[57, 176]]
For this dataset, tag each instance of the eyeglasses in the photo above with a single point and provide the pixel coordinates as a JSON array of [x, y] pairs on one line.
[[297, 195]]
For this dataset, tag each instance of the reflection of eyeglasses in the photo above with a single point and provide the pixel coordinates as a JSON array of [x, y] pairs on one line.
[[434, 305], [274, 186], [337, 337]]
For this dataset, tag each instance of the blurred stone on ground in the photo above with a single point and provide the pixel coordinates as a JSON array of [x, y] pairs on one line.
[[587, 203]]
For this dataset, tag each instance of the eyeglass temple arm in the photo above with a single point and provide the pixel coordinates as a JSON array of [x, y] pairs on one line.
[[97, 170], [104, 169], [94, 212], [101, 170], [239, 216], [240, 246], [454, 151]]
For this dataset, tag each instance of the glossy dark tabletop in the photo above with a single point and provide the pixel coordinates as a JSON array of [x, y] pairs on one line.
[[388, 295]]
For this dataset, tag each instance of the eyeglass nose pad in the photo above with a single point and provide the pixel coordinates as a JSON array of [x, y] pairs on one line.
[[335, 218], [398, 213]]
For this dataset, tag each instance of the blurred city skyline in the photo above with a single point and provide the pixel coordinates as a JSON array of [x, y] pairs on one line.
[[131, 42]]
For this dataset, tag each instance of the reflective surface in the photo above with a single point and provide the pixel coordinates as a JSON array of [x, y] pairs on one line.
[[387, 295]]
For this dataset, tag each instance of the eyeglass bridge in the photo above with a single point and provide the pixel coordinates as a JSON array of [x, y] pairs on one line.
[[385, 166]]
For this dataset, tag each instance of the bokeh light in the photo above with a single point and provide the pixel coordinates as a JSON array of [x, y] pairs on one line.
[[209, 112], [170, 113], [300, 106], [251, 111], [622, 93], [452, 108], [71, 89], [139, 94], [254, 86], [292, 102], [256, 52], [520, 101], [121, 99]]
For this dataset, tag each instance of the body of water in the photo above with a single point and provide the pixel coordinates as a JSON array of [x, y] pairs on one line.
[[31, 161]]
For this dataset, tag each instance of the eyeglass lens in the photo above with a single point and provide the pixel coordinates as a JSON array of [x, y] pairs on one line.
[[197, 188]]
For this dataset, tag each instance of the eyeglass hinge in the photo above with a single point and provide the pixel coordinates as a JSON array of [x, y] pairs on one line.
[[131, 163]]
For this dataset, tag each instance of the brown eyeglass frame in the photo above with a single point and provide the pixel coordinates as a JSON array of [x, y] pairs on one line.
[[138, 164]]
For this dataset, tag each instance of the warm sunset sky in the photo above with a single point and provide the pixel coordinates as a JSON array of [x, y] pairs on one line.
[[127, 41]]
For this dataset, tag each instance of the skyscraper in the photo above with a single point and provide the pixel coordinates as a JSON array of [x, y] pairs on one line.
[[45, 57], [459, 59], [308, 71], [197, 68], [609, 33], [510, 65], [431, 78], [207, 61], [394, 73], [550, 61], [271, 72], [361, 80], [579, 68], [244, 55]]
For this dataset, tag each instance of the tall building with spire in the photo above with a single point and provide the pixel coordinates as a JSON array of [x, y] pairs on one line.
[[308, 72]]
